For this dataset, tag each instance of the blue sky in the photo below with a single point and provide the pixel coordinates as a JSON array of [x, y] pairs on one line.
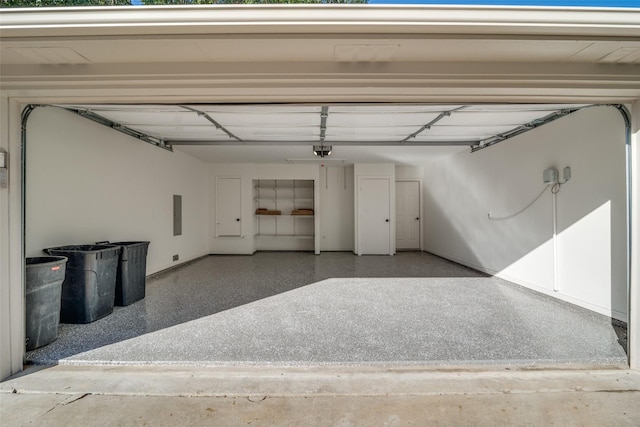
[[584, 3]]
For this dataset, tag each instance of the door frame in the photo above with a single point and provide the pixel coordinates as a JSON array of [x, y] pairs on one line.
[[421, 223], [241, 206], [392, 216], [12, 230]]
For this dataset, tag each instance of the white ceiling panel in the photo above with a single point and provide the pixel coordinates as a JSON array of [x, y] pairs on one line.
[[154, 118], [483, 118], [391, 108], [126, 107], [521, 107], [246, 133], [258, 109], [184, 132], [363, 139], [439, 139], [465, 132], [346, 133], [266, 119], [274, 139], [379, 120]]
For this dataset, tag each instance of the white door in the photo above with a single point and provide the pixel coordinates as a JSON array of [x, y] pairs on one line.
[[408, 215], [228, 207], [374, 222]]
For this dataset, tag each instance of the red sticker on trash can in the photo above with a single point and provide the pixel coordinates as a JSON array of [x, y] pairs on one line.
[[55, 268]]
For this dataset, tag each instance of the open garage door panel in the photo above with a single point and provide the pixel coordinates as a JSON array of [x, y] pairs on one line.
[[475, 126]]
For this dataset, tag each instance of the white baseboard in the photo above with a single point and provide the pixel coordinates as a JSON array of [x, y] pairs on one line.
[[157, 269], [618, 315]]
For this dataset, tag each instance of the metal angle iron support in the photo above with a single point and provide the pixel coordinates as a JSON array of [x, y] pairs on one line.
[[468, 143], [324, 114], [158, 142], [432, 122], [519, 130], [213, 122]]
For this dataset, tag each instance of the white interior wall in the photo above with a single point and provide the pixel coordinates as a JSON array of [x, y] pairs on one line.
[[88, 183], [386, 170], [591, 210], [336, 208], [246, 244], [409, 173]]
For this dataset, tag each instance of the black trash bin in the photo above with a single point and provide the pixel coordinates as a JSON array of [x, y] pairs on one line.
[[43, 282], [132, 271], [90, 281]]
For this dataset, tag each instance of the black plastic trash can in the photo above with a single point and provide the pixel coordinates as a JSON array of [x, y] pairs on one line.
[[43, 282], [89, 286], [132, 272]]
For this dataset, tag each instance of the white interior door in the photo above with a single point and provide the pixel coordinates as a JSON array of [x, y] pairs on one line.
[[374, 222], [228, 207], [408, 215]]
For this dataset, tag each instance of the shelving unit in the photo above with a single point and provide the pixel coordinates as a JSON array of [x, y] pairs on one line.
[[273, 231]]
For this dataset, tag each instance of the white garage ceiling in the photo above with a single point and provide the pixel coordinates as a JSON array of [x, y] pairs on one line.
[[280, 133]]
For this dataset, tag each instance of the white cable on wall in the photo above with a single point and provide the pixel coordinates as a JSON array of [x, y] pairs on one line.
[[554, 190], [504, 218]]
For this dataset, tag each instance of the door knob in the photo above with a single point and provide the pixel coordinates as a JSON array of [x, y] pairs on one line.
[[238, 219], [417, 218], [386, 220]]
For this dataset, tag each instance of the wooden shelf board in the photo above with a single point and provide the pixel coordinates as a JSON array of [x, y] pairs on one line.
[[286, 216], [288, 199], [287, 236]]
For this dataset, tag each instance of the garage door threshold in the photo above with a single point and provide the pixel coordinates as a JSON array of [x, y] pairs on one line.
[[320, 380], [165, 395]]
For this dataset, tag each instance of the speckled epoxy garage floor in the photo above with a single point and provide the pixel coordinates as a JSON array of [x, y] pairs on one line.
[[337, 308]]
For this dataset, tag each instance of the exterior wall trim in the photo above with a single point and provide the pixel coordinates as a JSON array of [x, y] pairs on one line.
[[339, 19]]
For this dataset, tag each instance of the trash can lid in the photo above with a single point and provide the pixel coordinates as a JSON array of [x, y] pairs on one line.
[[130, 243], [44, 260], [80, 248]]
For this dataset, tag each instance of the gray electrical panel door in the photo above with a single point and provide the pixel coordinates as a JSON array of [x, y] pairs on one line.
[[177, 215]]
